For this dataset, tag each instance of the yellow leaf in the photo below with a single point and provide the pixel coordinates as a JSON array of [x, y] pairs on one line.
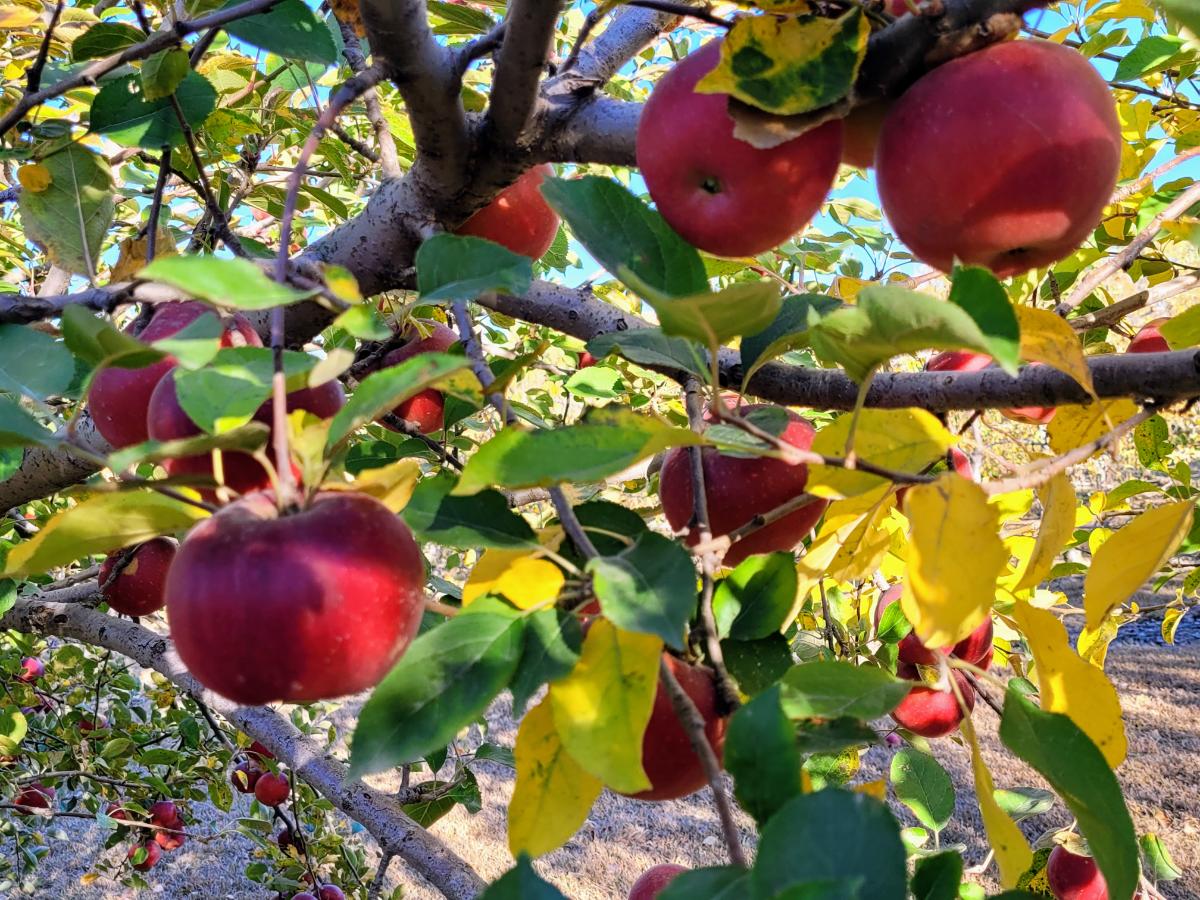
[[906, 440], [601, 709], [392, 485], [850, 543], [1047, 338], [89, 878], [13, 16], [1124, 562], [98, 524], [34, 177], [1093, 645], [1170, 624], [522, 575], [876, 789], [954, 558], [847, 288], [1013, 505], [1058, 524], [1074, 426], [1069, 685], [553, 794], [131, 256], [1013, 856]]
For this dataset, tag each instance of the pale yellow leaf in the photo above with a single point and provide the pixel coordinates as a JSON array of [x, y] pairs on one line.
[[1069, 685], [601, 709], [1074, 426], [553, 794], [1047, 338], [392, 485], [905, 440], [34, 177], [954, 558], [13, 16], [1013, 505], [1058, 524], [1125, 561], [1013, 856], [1093, 645], [851, 542], [520, 575]]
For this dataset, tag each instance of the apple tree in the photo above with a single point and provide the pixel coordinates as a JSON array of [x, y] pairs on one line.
[[442, 349]]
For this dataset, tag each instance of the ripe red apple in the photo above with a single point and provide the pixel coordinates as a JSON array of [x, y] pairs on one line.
[[259, 750], [425, 410], [928, 712], [330, 892], [164, 813], [244, 776], [586, 361], [672, 766], [740, 488], [171, 839], [323, 401], [31, 669], [1003, 158], [519, 218], [898, 7], [116, 811], [719, 193], [1149, 339], [297, 607], [1074, 877], [272, 789], [153, 854], [861, 131], [966, 361], [653, 880], [137, 590], [973, 648], [35, 796], [303, 895]]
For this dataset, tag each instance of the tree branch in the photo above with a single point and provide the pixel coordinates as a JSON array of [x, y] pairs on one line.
[[389, 162], [529, 29], [1111, 315]]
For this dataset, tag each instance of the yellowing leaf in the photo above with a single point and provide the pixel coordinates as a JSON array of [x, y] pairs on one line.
[[1047, 338], [392, 485], [131, 257], [906, 440], [101, 523], [1069, 685], [1074, 426], [1093, 645], [850, 543], [1124, 562], [1013, 856], [876, 789], [1058, 524], [34, 177], [13, 16], [601, 709], [847, 288], [954, 558], [553, 794], [521, 574], [1170, 624]]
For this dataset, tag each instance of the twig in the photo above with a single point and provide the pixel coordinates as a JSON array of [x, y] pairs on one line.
[[389, 162], [164, 172], [220, 221], [354, 143], [376, 889], [980, 692], [33, 80], [1114, 313], [1126, 191], [701, 13], [762, 520]]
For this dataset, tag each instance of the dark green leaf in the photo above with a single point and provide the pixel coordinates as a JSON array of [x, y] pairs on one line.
[[714, 883], [521, 883], [105, 39], [33, 363], [431, 806], [828, 689], [481, 520], [650, 347], [71, 217], [756, 598], [978, 291], [761, 755], [232, 283], [833, 735], [1066, 757], [94, 340], [553, 639], [625, 235], [832, 835], [756, 665], [121, 112], [450, 267], [649, 588], [788, 331], [230, 390], [1151, 54], [937, 877], [446, 678], [288, 28], [921, 784], [600, 516], [1022, 802]]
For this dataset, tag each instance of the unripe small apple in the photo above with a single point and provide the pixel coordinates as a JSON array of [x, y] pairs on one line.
[[1074, 877], [31, 669], [272, 789], [519, 217], [653, 880], [35, 796], [244, 776], [137, 590], [1149, 339], [425, 410], [153, 854], [928, 712]]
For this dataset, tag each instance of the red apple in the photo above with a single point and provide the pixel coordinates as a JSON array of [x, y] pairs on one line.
[[259, 750], [898, 7], [272, 789], [425, 409], [303, 895], [1074, 877], [719, 193], [330, 892], [1003, 158], [286, 839], [670, 763], [1149, 339], [323, 401], [88, 725], [35, 796], [171, 839], [519, 218], [740, 488], [116, 811], [586, 361], [928, 712], [164, 813], [653, 880], [297, 607], [31, 669], [244, 776], [153, 854], [973, 648], [137, 590], [966, 361], [861, 130]]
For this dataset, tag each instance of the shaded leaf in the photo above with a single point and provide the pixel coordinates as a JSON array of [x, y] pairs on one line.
[[762, 757], [70, 218], [450, 267], [831, 689], [649, 588]]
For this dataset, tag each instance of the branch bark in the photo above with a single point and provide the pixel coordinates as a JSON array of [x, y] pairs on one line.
[[529, 29]]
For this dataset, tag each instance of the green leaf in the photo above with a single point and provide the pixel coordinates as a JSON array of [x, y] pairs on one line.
[[756, 665], [123, 113], [893, 625], [755, 599], [245, 438], [93, 339], [712, 883], [33, 363], [1066, 757], [10, 462], [13, 729], [450, 267], [229, 391], [594, 383], [482, 520], [606, 442], [827, 689], [18, 428], [937, 877], [459, 19], [1152, 440], [624, 234], [843, 836], [199, 342], [1185, 11], [604, 521], [288, 28], [382, 391], [649, 588], [105, 39], [982, 296], [231, 283], [553, 640], [788, 331], [162, 73], [70, 218], [1158, 858], [923, 786], [363, 322], [1022, 802], [833, 735], [1150, 54], [442, 683], [712, 318], [650, 347], [888, 321], [521, 883], [761, 755]]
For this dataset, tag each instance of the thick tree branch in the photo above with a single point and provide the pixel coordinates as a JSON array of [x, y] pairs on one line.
[[529, 29], [596, 130], [379, 813], [627, 33]]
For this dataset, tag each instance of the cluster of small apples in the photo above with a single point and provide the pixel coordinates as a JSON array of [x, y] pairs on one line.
[[251, 776], [167, 833], [1003, 158], [927, 711]]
